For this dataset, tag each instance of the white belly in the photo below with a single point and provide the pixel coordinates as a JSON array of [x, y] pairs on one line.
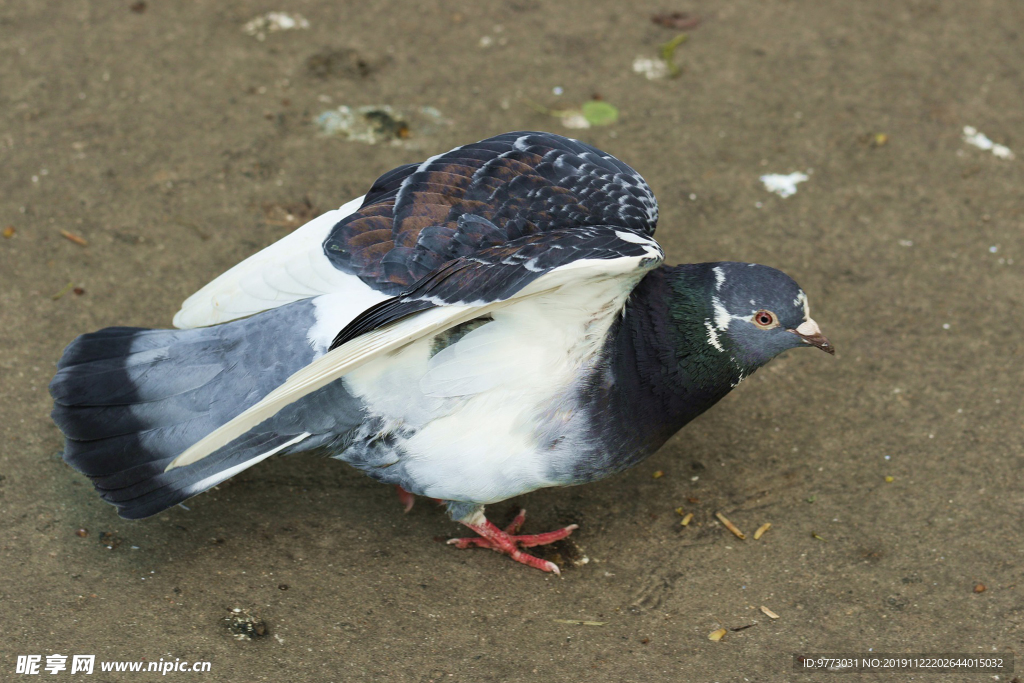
[[474, 422]]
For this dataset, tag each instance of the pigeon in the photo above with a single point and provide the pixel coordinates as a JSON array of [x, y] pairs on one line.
[[494, 320]]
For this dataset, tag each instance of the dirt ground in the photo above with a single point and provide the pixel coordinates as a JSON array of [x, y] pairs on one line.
[[176, 144]]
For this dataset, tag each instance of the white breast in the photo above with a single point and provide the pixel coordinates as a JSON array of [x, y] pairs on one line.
[[471, 416]]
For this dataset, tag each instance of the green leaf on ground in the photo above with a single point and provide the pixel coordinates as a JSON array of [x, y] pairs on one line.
[[599, 113]]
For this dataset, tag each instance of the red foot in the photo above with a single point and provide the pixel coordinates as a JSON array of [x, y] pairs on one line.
[[505, 542]]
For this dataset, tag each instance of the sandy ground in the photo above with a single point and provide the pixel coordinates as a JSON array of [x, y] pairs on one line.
[[175, 144]]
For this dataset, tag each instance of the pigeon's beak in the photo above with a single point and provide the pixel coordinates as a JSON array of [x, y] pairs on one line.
[[809, 332]]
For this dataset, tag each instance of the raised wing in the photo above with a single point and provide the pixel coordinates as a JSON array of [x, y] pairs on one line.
[[291, 269], [483, 195], [418, 217], [496, 274], [577, 259]]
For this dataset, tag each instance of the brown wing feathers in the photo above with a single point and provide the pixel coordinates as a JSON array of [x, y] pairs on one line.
[[418, 217]]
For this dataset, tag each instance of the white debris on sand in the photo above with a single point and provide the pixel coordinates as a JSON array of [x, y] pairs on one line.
[[783, 185], [652, 69], [381, 123], [271, 22], [575, 119], [972, 136]]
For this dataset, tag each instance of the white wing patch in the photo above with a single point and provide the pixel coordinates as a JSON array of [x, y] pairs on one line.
[[473, 415], [455, 371], [584, 278], [335, 311], [291, 269], [323, 371], [537, 343], [627, 236], [224, 475]]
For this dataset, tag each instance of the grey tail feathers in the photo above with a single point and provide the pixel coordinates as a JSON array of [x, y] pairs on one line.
[[130, 400]]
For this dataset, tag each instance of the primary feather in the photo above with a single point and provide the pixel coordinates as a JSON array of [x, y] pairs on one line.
[[291, 269]]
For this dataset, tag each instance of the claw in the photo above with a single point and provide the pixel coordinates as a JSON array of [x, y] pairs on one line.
[[506, 542]]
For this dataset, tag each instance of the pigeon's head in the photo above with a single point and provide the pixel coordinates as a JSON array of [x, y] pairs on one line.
[[758, 312]]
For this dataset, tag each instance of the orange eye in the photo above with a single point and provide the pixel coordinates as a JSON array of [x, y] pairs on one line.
[[764, 319]]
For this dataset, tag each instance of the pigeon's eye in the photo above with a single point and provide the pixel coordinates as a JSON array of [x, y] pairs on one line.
[[765, 320]]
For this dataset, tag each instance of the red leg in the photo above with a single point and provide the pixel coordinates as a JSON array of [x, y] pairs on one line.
[[406, 498], [511, 529], [503, 541], [517, 523]]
